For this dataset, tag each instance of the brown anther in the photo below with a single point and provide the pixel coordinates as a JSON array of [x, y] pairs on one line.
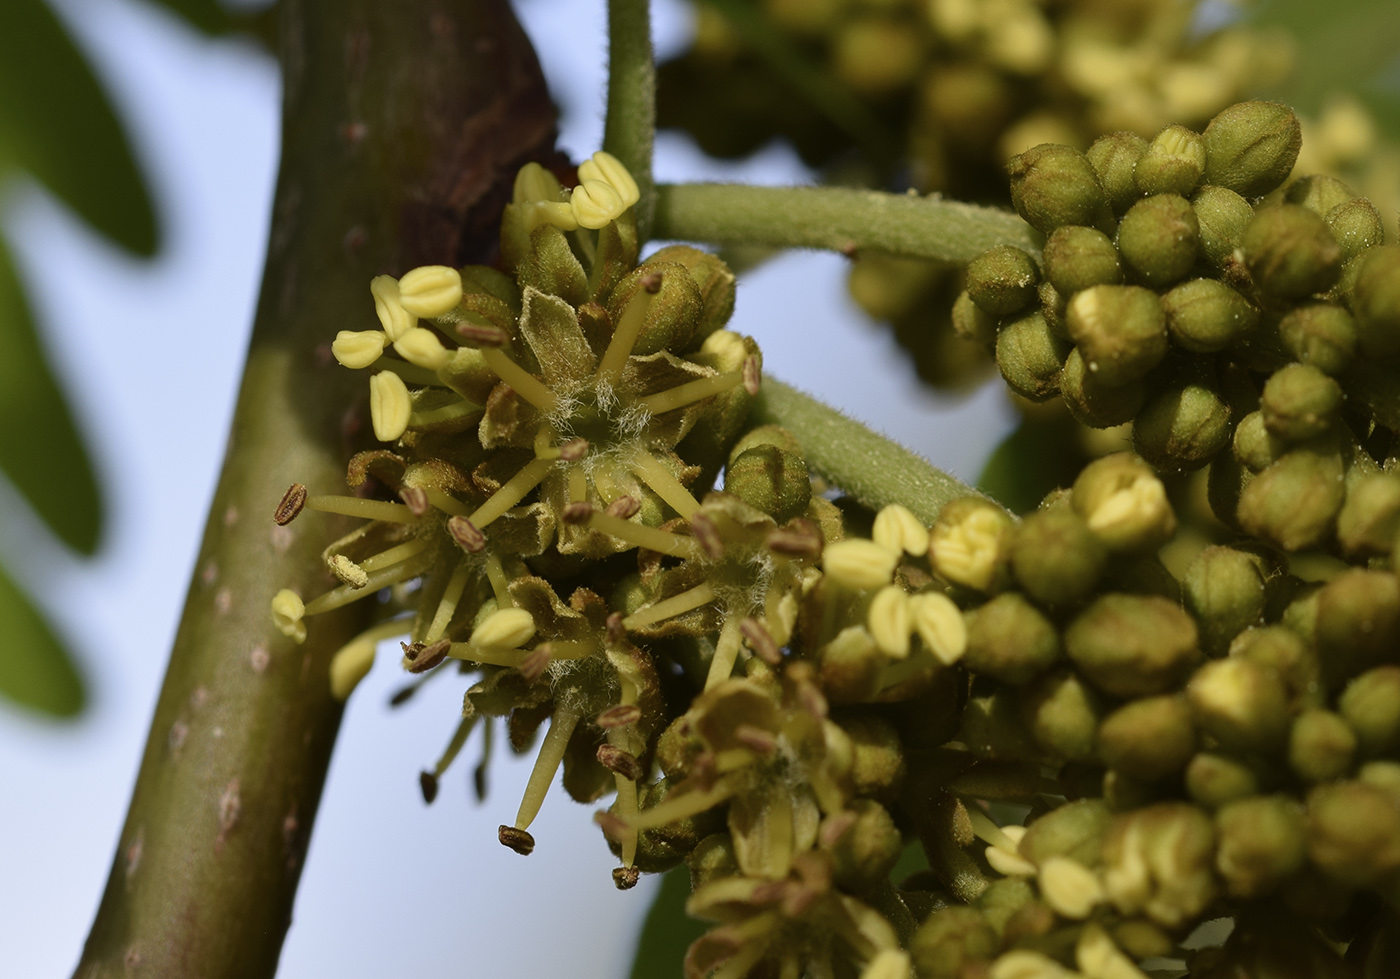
[[703, 529], [651, 282], [536, 661], [619, 716], [573, 450], [752, 375], [517, 839], [466, 535], [619, 762], [802, 676], [594, 314], [625, 878], [483, 335], [799, 538], [756, 739], [292, 502], [616, 632], [411, 650], [415, 499], [427, 656], [756, 634], [578, 512], [614, 827], [624, 507], [836, 826], [428, 782]]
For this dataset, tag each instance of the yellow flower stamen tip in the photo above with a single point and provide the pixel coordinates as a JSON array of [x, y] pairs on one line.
[[358, 349], [859, 563], [389, 405], [557, 213], [349, 666], [1070, 888], [608, 169], [507, 628], [940, 625], [596, 204], [968, 550], [430, 290], [534, 183], [890, 621], [422, 348], [348, 571], [287, 612], [897, 528], [392, 316]]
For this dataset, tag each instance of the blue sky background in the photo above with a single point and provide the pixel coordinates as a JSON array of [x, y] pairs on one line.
[[153, 352]]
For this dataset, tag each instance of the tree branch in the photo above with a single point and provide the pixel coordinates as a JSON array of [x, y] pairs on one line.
[[630, 129]]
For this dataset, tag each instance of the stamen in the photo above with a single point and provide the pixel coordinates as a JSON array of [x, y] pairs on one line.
[[989, 832], [574, 648], [447, 413], [753, 375], [292, 502], [777, 851], [445, 503], [619, 762], [447, 606], [352, 661], [345, 594], [640, 535], [415, 499], [683, 806], [726, 653], [796, 539], [353, 506], [466, 535], [756, 634], [704, 531], [691, 392], [393, 555], [535, 662], [454, 747], [629, 327], [652, 472], [530, 476], [561, 727], [620, 716], [483, 334], [423, 657], [624, 507], [500, 586], [525, 384], [606, 486], [615, 633], [668, 607], [626, 809], [489, 655], [578, 484], [410, 373], [517, 839]]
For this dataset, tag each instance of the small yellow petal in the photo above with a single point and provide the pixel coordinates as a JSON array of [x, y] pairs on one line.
[[595, 204], [422, 348], [859, 563], [392, 316], [609, 169], [940, 625], [897, 527], [889, 621], [358, 349], [389, 405], [430, 290]]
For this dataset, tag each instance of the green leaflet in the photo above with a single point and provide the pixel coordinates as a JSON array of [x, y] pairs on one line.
[[35, 669], [57, 123], [667, 932], [40, 450]]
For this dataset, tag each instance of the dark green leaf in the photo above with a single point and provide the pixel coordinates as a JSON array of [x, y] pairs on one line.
[[35, 670], [40, 450], [57, 123], [667, 932], [1030, 462]]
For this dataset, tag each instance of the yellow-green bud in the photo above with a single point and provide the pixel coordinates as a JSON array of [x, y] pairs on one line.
[[877, 767], [1384, 775], [1062, 713], [1321, 746], [1121, 331], [1053, 185], [1356, 226], [968, 542], [1371, 706], [1222, 215], [430, 290], [1206, 315], [1353, 832], [672, 311], [1029, 355], [1290, 252], [771, 480], [1318, 192], [1094, 403], [1262, 842], [1159, 862], [1182, 427], [1282, 650], [1133, 645], [953, 942], [973, 323], [849, 666], [1224, 589], [1214, 780], [1114, 158], [1008, 640], [1077, 258], [1251, 147], [713, 278], [1320, 334], [1240, 703], [1002, 280], [1293, 502], [867, 850], [1254, 445], [1375, 301], [1124, 504], [1148, 739], [712, 858], [1074, 830], [1358, 624], [1159, 238], [1056, 558], [1174, 163], [1370, 518], [1300, 402]]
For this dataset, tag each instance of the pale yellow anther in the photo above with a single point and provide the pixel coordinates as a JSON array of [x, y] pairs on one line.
[[1178, 144], [507, 628], [609, 169], [389, 405], [540, 213], [890, 963], [1071, 889], [392, 316], [1022, 963], [890, 621], [430, 290], [940, 625], [1098, 957], [358, 349], [1009, 864], [350, 664], [534, 183], [897, 528], [422, 348], [287, 610], [348, 571], [1142, 503], [967, 551], [595, 204], [859, 563]]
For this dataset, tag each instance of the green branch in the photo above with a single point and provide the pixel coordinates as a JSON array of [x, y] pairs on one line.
[[630, 129], [871, 468], [836, 218]]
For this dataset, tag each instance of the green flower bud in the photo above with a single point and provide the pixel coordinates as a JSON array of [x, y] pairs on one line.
[[1094, 403], [973, 323], [1114, 158], [1290, 252], [712, 858], [1121, 331], [1077, 258], [1300, 402], [1062, 713], [1029, 355], [1320, 334], [1005, 897], [1124, 504], [1222, 216], [1294, 502], [771, 480], [1383, 775], [1251, 147], [1052, 307], [1159, 863], [1282, 650], [1174, 163], [1371, 706], [712, 277], [1008, 640], [969, 541], [868, 848], [666, 846], [1148, 739], [1002, 280], [1206, 315], [1240, 703], [1318, 192], [1224, 589], [1321, 746], [878, 765], [1262, 841], [1133, 645], [1181, 428], [672, 311], [1358, 624], [1074, 831], [953, 942], [1056, 558], [1214, 780], [1353, 832], [849, 666], [775, 435], [1254, 446], [1159, 238], [1370, 518], [1356, 226], [1375, 301], [550, 266], [1053, 185]]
